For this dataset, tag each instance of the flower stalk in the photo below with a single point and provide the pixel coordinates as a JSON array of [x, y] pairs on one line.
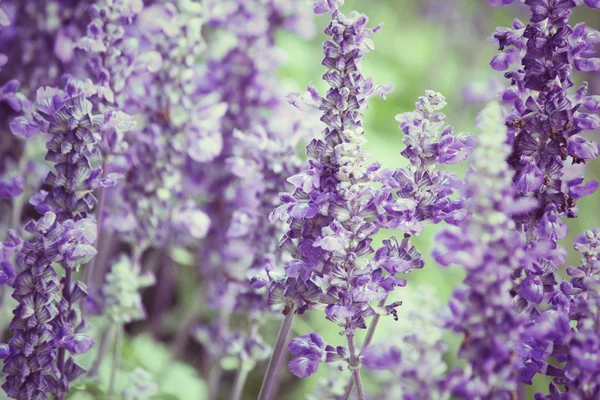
[[267, 390]]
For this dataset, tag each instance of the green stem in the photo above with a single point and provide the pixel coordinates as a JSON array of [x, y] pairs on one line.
[[366, 343], [105, 341], [116, 360], [240, 381], [355, 366]]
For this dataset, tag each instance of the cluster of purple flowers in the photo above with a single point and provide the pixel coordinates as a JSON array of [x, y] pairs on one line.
[[337, 207], [148, 148]]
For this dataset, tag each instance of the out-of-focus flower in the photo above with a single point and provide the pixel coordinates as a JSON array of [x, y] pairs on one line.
[[260, 133], [486, 244], [414, 353]]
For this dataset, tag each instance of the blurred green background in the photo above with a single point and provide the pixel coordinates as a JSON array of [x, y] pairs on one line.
[[442, 45]]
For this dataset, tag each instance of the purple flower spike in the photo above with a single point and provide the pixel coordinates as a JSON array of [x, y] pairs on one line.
[[337, 205], [545, 130], [47, 314], [543, 105], [578, 350], [486, 244]]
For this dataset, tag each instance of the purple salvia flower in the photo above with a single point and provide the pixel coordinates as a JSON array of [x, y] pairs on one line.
[[310, 351], [66, 115], [545, 129], [487, 246], [579, 349], [332, 197], [30, 363], [329, 232], [415, 195], [45, 326], [545, 48], [423, 194]]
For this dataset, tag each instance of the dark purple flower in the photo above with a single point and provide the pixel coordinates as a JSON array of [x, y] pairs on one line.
[[531, 289], [310, 351], [78, 343]]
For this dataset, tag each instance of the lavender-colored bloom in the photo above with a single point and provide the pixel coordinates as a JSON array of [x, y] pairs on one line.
[[167, 134], [114, 55], [114, 59], [328, 213], [338, 179], [424, 193], [329, 233], [487, 246], [66, 115], [311, 350]]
